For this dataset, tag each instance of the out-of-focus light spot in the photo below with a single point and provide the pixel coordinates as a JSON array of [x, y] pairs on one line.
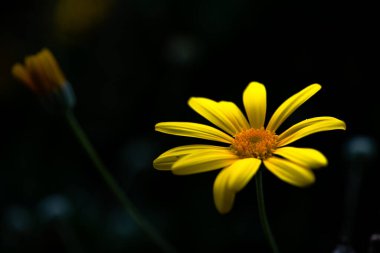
[[17, 219], [86, 204], [374, 243], [137, 155], [182, 50], [54, 207], [361, 147], [343, 249], [120, 225], [76, 17]]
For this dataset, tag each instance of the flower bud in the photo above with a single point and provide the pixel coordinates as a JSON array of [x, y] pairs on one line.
[[42, 74]]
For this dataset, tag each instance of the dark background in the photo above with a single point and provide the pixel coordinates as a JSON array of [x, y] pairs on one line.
[[135, 63]]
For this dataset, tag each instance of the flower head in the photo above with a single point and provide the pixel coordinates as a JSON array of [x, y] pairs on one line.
[[42, 74], [248, 143]]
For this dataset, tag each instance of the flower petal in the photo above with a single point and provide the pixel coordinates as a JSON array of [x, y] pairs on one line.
[[306, 157], [241, 172], [235, 115], [37, 73], [231, 180], [309, 126], [203, 161], [21, 73], [290, 105], [223, 196], [166, 160], [290, 172], [211, 110], [255, 103], [52, 67], [194, 130]]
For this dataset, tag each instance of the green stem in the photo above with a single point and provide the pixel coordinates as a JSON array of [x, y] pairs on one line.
[[262, 212], [114, 187]]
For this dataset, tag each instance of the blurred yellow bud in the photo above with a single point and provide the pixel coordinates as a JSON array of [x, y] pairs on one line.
[[42, 74]]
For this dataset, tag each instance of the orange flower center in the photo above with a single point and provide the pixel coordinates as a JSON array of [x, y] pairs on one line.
[[258, 143]]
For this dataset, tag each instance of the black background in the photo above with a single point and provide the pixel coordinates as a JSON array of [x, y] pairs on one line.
[[135, 63]]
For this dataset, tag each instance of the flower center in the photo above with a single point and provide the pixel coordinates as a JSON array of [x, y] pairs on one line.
[[258, 143]]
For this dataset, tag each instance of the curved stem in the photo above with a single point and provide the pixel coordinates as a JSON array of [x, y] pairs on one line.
[[262, 212], [114, 187]]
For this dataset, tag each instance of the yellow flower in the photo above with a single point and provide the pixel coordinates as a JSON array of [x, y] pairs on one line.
[[42, 74], [249, 143]]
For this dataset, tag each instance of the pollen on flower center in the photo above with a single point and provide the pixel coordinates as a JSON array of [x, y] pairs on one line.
[[258, 143]]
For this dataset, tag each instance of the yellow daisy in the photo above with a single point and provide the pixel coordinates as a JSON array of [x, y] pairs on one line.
[[249, 143]]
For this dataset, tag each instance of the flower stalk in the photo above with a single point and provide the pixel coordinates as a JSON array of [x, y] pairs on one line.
[[128, 206], [262, 213], [42, 74]]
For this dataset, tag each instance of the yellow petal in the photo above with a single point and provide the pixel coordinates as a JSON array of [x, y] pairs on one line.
[[306, 157], [231, 180], [310, 126], [223, 196], [241, 172], [235, 115], [19, 72], [203, 161], [255, 103], [45, 71], [194, 130], [53, 68], [166, 160], [211, 110], [290, 172], [35, 68], [290, 105]]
